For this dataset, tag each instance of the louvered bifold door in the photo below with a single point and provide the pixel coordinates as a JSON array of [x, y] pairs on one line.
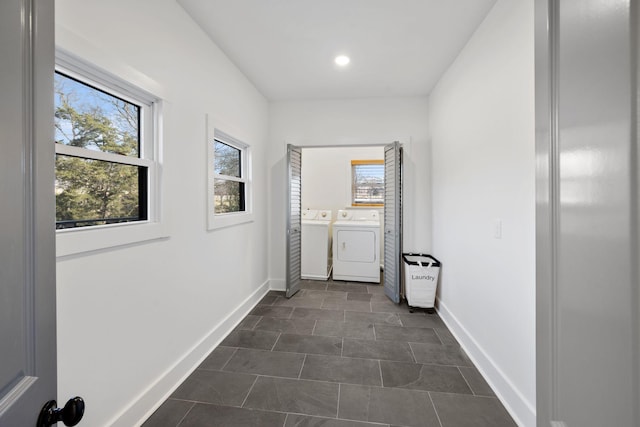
[[294, 213], [392, 220]]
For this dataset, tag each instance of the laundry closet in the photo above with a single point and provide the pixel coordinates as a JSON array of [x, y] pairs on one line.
[[341, 233]]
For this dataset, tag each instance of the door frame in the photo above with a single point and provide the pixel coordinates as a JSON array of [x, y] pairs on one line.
[[351, 143]]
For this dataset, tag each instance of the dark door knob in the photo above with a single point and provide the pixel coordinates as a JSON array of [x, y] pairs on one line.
[[70, 415]]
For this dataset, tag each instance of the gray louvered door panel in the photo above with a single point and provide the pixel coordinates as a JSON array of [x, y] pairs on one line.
[[392, 220], [294, 220]]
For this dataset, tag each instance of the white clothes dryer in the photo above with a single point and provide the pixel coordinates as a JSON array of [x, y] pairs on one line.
[[356, 246]]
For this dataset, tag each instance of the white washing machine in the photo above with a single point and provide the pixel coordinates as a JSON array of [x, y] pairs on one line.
[[316, 244], [356, 246]]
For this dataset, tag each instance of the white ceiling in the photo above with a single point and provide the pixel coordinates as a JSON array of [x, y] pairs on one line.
[[286, 47]]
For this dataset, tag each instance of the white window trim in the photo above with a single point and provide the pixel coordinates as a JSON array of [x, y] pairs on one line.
[[217, 221], [76, 241]]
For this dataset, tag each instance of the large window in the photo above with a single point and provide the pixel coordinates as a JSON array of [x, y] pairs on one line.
[[104, 151], [367, 183], [229, 180]]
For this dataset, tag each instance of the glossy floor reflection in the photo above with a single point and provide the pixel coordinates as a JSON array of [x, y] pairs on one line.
[[337, 354]]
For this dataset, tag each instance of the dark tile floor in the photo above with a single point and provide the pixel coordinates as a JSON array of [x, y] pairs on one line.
[[337, 354]]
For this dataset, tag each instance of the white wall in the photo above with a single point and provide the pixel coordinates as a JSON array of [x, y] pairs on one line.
[[326, 175], [482, 136], [132, 321], [373, 121]]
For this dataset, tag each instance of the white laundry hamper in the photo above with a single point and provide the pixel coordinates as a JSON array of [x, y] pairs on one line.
[[420, 279]]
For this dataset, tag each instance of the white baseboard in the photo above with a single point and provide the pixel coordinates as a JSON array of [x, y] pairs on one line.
[[277, 285], [149, 400], [522, 411]]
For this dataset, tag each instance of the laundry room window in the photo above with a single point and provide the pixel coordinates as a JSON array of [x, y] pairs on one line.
[[367, 183], [229, 183]]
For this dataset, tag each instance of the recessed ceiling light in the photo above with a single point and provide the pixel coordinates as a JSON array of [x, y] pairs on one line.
[[342, 60]]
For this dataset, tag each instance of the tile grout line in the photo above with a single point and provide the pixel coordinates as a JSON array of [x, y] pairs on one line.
[[276, 342], [185, 415], [250, 390], [229, 360], [202, 402], [304, 380], [415, 359], [285, 419], [302, 366], [313, 330], [256, 324], [438, 335], [326, 417], [433, 405], [380, 369], [467, 382], [338, 403]]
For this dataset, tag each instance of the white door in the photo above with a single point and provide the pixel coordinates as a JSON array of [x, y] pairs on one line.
[[294, 218], [588, 299], [356, 246], [392, 220], [27, 211]]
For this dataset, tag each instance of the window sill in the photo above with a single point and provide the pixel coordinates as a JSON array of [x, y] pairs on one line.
[[229, 220], [82, 241]]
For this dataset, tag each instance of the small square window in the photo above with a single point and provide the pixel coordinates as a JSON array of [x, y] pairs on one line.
[[229, 180], [367, 183]]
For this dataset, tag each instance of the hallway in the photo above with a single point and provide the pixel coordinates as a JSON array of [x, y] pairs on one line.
[[336, 354]]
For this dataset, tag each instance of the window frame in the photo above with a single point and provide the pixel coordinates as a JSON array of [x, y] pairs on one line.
[[354, 164], [216, 220], [242, 179], [70, 241]]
